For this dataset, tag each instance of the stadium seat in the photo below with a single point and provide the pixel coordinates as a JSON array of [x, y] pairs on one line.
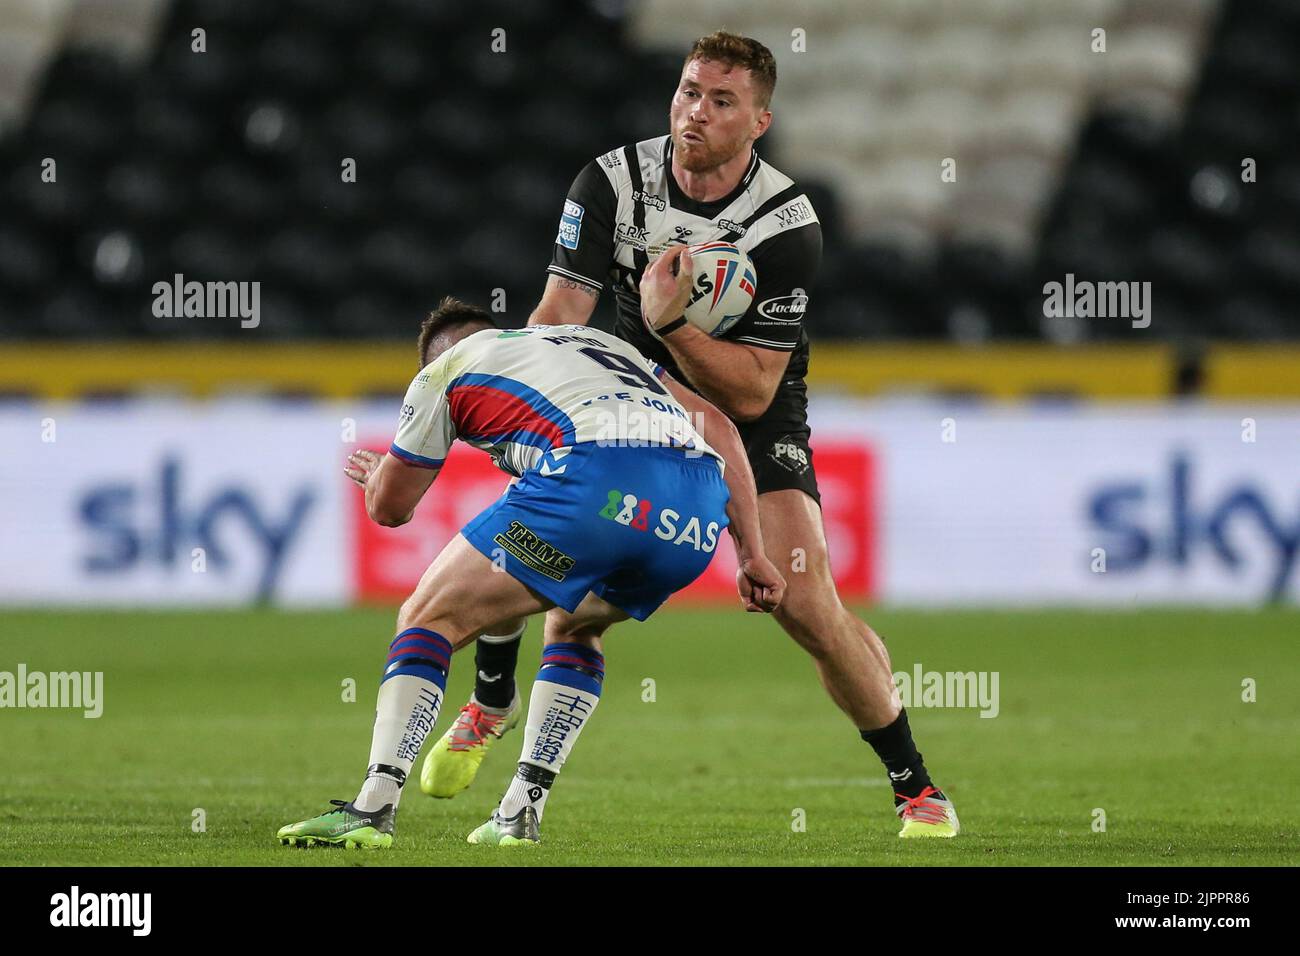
[[229, 161]]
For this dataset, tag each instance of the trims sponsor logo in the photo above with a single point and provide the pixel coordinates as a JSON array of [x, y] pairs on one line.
[[538, 554]]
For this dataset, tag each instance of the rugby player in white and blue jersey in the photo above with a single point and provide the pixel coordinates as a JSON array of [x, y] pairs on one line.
[[625, 482]]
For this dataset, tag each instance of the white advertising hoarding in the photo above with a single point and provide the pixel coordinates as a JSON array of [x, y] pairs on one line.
[[233, 502], [171, 503], [1164, 503]]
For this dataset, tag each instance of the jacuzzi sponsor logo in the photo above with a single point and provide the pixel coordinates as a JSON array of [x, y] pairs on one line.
[[785, 308]]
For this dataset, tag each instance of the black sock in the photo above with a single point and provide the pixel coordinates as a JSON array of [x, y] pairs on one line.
[[494, 681], [894, 747]]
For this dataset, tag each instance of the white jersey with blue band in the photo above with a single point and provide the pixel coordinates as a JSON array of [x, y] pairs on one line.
[[519, 394]]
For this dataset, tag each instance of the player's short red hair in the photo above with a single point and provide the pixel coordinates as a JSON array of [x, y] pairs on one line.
[[734, 50]]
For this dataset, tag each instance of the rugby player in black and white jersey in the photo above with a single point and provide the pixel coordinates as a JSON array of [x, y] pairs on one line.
[[702, 182]]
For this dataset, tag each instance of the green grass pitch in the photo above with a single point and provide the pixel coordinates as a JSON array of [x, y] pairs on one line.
[[241, 714]]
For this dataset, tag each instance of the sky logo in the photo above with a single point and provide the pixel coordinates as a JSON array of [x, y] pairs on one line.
[[132, 524], [1144, 524]]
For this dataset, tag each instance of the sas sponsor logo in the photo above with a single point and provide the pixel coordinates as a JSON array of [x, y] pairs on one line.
[[633, 236], [732, 226], [633, 512], [646, 199], [570, 225], [627, 510], [789, 454], [799, 211], [784, 308], [534, 551]]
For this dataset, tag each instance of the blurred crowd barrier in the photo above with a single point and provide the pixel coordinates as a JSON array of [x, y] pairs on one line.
[[351, 370]]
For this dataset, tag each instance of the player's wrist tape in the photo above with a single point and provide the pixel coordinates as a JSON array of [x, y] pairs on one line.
[[672, 326]]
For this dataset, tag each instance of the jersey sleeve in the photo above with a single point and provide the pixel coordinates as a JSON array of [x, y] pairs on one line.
[[584, 244], [786, 267], [425, 430]]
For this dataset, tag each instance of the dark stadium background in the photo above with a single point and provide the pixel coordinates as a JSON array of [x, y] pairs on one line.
[[226, 164]]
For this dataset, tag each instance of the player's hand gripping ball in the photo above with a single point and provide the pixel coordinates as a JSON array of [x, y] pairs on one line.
[[709, 285], [722, 289]]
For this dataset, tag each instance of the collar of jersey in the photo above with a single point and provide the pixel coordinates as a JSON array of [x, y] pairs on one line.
[[706, 210]]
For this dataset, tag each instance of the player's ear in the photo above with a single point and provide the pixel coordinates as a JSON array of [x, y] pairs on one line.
[[764, 122]]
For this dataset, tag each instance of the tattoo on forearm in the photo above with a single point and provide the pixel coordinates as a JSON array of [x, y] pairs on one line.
[[580, 286]]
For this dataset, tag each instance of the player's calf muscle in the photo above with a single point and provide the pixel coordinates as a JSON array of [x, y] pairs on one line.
[[814, 621]]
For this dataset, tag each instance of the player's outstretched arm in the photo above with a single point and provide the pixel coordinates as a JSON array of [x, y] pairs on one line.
[[393, 488], [760, 584], [565, 302]]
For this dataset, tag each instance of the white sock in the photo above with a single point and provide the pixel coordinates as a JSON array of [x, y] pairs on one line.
[[563, 699], [377, 792], [524, 792], [410, 697]]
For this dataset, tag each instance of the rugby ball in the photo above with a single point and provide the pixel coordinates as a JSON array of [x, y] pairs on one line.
[[723, 288]]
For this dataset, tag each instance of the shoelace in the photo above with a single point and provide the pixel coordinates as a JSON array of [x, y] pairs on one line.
[[922, 808], [472, 726]]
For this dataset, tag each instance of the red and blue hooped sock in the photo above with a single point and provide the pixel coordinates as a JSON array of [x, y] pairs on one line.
[[573, 665], [419, 652]]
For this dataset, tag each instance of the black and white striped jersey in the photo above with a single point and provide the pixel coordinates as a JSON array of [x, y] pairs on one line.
[[625, 208]]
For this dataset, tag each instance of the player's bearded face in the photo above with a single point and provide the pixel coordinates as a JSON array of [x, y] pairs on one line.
[[713, 115]]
